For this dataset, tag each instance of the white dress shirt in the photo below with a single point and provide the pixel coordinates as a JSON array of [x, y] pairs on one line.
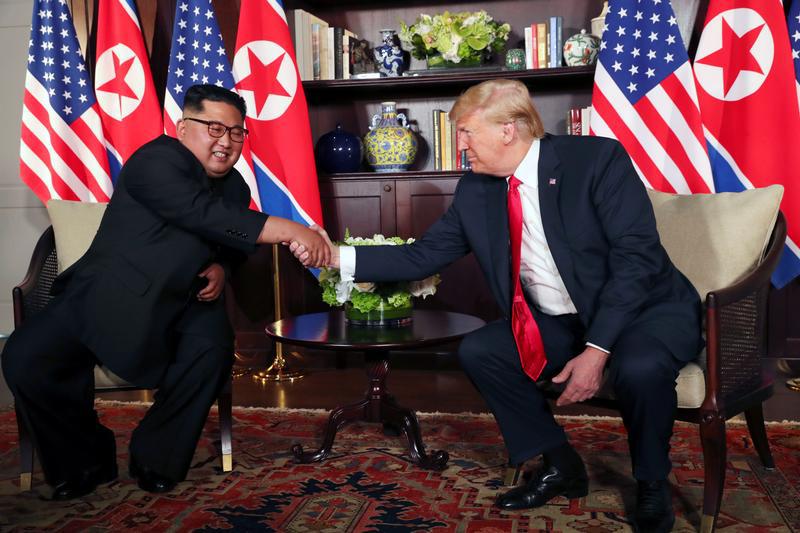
[[539, 275]]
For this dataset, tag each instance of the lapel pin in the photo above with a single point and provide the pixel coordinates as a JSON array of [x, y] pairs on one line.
[[552, 181]]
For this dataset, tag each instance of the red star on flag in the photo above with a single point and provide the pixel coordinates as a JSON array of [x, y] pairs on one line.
[[262, 80], [735, 55], [117, 84]]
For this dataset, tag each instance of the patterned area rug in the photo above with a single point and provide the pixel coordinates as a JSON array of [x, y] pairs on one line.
[[368, 486]]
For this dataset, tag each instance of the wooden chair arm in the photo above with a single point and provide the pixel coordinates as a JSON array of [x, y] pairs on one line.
[[33, 292], [736, 330]]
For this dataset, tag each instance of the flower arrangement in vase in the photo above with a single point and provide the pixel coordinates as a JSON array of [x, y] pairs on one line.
[[454, 39], [374, 304]]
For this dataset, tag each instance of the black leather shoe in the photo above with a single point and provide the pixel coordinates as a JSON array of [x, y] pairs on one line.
[[85, 482], [149, 480], [548, 483], [654, 512]]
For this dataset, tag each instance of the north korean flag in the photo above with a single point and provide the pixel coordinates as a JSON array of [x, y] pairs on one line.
[[749, 107], [129, 107], [266, 76]]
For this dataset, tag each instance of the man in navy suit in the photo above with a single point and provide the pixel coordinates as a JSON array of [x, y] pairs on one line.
[[595, 277], [146, 302]]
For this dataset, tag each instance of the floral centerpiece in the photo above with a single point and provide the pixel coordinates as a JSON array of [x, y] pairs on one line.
[[454, 39], [367, 303]]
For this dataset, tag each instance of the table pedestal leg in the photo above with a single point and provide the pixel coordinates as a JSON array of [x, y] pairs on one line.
[[377, 406]]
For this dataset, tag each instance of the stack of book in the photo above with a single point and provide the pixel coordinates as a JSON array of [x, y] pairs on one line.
[[578, 120], [446, 155], [323, 52], [544, 45]]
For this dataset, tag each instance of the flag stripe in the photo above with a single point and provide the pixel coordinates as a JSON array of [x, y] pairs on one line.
[[245, 167], [35, 154], [269, 187], [618, 124], [64, 160], [655, 110], [172, 112], [32, 178]]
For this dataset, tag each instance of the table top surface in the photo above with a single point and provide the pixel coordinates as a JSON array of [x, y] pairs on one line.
[[330, 331]]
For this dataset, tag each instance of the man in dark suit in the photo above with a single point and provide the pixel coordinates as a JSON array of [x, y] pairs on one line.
[[593, 275], [146, 302]]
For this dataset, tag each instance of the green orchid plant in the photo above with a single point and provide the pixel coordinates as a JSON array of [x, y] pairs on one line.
[[467, 37], [368, 296]]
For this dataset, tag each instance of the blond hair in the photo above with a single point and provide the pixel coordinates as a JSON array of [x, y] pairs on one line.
[[502, 101]]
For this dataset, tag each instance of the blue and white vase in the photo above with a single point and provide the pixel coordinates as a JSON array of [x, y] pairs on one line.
[[389, 57], [390, 145]]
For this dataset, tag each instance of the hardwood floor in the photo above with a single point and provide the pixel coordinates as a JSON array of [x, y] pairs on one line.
[[421, 384]]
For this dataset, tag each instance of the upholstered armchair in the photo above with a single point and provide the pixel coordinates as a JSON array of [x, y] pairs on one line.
[[728, 245], [74, 225]]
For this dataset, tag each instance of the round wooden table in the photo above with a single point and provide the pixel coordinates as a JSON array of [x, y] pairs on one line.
[[330, 331]]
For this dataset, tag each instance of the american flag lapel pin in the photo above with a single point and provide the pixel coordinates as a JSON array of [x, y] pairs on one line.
[[551, 181]]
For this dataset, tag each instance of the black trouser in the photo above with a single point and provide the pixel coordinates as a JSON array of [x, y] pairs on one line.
[[51, 374], [641, 369]]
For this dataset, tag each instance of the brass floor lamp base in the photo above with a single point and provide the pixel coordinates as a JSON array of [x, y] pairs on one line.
[[790, 367], [277, 371]]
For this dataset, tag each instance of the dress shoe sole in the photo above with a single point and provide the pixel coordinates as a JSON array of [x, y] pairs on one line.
[[146, 482], [571, 493], [103, 478]]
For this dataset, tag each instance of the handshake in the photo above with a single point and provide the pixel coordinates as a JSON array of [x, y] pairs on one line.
[[313, 248]]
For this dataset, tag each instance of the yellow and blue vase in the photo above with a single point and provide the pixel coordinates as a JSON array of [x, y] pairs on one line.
[[390, 145]]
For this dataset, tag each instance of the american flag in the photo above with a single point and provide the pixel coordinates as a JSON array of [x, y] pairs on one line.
[[62, 151], [124, 87], [645, 96], [748, 97], [197, 56], [266, 76], [793, 23]]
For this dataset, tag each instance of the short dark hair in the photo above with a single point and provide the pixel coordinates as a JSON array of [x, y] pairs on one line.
[[197, 94]]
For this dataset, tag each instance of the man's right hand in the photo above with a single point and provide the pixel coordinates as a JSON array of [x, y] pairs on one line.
[[281, 230], [302, 253], [315, 246]]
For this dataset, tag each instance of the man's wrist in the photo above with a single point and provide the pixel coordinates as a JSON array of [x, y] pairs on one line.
[[591, 345]]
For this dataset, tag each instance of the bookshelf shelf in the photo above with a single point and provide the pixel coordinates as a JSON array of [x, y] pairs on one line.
[[385, 176], [562, 77]]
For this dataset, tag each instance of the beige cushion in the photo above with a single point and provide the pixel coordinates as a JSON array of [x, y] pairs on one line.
[[690, 386], [716, 239], [106, 379], [75, 225]]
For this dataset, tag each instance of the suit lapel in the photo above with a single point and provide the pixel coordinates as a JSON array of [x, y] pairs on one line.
[[550, 178], [497, 234]]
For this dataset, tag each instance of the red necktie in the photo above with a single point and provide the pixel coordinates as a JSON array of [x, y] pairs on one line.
[[523, 325]]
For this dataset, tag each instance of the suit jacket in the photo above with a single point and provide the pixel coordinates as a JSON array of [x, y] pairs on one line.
[[136, 285], [600, 228]]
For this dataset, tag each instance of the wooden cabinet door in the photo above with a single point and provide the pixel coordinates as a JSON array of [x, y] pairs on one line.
[[365, 207], [420, 203]]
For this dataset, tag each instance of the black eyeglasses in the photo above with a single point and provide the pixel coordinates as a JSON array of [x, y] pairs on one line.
[[218, 129]]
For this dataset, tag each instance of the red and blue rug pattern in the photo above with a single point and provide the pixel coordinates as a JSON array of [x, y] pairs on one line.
[[369, 486]]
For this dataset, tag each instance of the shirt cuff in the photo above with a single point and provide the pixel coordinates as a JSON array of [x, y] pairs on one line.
[[347, 263], [590, 344]]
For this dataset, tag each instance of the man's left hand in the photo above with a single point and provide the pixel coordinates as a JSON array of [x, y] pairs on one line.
[[215, 275], [583, 375]]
